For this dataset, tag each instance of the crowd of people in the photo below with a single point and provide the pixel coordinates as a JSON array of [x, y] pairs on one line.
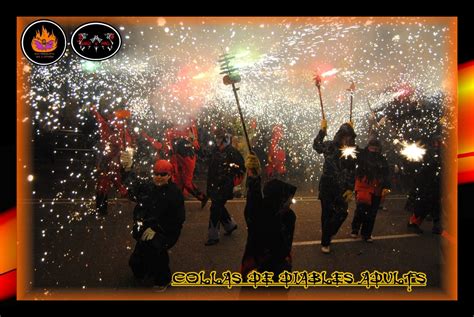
[[348, 172]]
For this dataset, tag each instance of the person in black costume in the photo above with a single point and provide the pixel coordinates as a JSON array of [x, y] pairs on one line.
[[371, 184], [337, 180], [158, 218], [427, 189], [226, 170], [270, 223]]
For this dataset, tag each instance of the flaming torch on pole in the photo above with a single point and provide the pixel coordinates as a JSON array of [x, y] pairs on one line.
[[127, 153], [350, 151], [231, 78], [317, 82]]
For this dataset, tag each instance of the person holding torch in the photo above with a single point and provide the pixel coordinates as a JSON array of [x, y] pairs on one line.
[[337, 181]]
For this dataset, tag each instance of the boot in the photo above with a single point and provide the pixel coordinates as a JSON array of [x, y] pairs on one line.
[[204, 201], [213, 234], [413, 227], [200, 196]]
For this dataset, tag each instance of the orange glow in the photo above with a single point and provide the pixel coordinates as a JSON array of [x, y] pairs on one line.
[[466, 123], [122, 114], [8, 258], [44, 42], [7, 284]]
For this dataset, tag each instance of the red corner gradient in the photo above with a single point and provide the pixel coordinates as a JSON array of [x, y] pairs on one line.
[[466, 123], [8, 254]]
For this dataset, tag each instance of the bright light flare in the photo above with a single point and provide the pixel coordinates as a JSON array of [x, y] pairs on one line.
[[349, 151], [200, 76], [413, 151], [330, 72], [89, 66]]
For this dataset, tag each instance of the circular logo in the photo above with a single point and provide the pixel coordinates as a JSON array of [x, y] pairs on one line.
[[96, 41], [43, 42]]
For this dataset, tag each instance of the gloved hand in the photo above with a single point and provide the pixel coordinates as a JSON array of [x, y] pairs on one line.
[[253, 164], [324, 125], [148, 234], [126, 159], [347, 195], [385, 192]]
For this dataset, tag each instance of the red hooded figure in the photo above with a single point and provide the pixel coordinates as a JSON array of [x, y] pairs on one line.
[[276, 155], [108, 167], [183, 145]]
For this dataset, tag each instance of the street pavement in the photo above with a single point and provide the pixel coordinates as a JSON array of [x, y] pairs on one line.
[[74, 250]]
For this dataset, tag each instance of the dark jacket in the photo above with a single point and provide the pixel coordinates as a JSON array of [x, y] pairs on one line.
[[270, 232], [428, 179], [224, 167], [184, 147], [338, 172], [373, 166], [160, 208]]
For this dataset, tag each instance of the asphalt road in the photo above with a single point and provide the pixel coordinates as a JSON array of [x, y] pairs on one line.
[[76, 251]]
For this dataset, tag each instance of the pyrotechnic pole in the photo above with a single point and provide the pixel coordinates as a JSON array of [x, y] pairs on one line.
[[231, 78], [370, 106], [372, 113], [351, 90], [317, 81]]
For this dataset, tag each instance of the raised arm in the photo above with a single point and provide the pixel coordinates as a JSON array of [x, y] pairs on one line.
[[155, 143]]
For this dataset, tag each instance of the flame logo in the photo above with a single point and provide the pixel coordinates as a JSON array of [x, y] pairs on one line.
[[44, 42]]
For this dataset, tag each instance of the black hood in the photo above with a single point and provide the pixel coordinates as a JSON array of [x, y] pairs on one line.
[[276, 192], [344, 130], [375, 142]]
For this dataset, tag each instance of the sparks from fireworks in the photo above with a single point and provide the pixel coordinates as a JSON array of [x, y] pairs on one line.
[[349, 151], [168, 74], [331, 72], [413, 152]]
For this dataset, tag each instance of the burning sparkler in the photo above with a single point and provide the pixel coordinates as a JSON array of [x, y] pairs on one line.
[[347, 151], [330, 72], [317, 82], [412, 151]]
